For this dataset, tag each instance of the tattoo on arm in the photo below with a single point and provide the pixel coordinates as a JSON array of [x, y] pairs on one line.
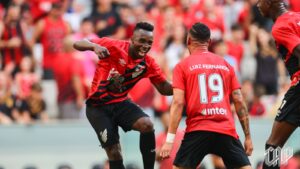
[[242, 111]]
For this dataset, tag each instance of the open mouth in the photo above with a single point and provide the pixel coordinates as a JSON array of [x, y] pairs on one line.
[[142, 52]]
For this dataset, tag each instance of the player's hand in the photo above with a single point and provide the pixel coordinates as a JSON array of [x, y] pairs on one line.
[[101, 52], [165, 151], [14, 42], [248, 146]]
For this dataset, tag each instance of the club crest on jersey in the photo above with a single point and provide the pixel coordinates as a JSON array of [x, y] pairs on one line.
[[122, 62], [138, 70], [298, 23]]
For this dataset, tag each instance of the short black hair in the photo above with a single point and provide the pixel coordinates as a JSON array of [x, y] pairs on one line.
[[200, 32], [144, 25], [236, 27], [86, 19]]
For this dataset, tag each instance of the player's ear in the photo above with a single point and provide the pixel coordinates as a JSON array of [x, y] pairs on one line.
[[209, 42], [188, 41]]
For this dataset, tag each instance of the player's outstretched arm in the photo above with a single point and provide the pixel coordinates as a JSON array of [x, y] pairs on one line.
[[83, 45], [242, 112], [175, 117], [164, 88]]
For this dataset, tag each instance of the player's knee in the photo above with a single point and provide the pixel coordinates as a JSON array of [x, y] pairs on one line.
[[114, 153], [147, 126]]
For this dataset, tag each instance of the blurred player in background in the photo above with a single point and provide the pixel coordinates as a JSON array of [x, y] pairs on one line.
[[205, 82], [286, 32], [122, 64]]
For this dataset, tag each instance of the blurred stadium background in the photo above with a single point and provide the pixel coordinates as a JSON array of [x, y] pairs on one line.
[[42, 121]]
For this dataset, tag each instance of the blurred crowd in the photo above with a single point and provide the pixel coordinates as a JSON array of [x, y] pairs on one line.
[[36, 40]]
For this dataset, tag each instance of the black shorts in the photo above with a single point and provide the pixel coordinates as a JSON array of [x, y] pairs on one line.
[[196, 145], [106, 119], [289, 109]]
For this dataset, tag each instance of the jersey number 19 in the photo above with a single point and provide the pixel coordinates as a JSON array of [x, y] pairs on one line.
[[215, 84]]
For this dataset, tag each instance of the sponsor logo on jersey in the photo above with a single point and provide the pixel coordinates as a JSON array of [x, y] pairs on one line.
[[214, 111], [122, 62], [138, 70]]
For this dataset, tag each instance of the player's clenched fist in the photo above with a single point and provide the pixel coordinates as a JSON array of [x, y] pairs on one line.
[[165, 151], [101, 52]]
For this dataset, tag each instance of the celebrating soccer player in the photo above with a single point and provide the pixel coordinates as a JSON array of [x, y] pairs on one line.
[[204, 83], [286, 32], [122, 64]]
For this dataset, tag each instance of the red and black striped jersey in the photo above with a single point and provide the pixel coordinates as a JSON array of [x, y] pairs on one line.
[[117, 74], [13, 55], [286, 32]]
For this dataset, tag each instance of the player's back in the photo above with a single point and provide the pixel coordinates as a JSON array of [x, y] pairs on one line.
[[286, 32], [208, 83]]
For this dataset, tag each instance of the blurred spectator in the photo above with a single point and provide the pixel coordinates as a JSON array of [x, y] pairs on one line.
[[213, 19], [107, 20], [34, 107], [30, 167], [8, 102], [64, 166], [106, 164], [292, 163], [128, 19], [160, 139], [132, 166], [27, 20], [51, 30], [247, 91], [264, 50], [25, 78], [235, 44], [257, 18], [97, 166], [220, 48], [256, 108], [88, 58], [13, 45], [68, 74], [259, 165], [175, 46]]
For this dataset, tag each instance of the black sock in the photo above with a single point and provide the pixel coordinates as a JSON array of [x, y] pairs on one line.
[[147, 147], [116, 164], [272, 157]]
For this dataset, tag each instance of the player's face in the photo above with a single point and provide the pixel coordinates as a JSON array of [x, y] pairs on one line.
[[263, 7], [141, 42]]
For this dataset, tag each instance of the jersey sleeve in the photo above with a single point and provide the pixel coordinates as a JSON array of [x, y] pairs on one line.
[[107, 42], [154, 72], [286, 37], [178, 77]]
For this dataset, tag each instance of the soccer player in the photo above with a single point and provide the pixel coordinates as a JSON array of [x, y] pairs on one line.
[[122, 64], [286, 32], [204, 83]]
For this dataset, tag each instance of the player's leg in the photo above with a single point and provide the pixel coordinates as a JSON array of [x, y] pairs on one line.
[[107, 132], [217, 162], [232, 152], [147, 140], [115, 156], [281, 131], [129, 116], [286, 121]]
